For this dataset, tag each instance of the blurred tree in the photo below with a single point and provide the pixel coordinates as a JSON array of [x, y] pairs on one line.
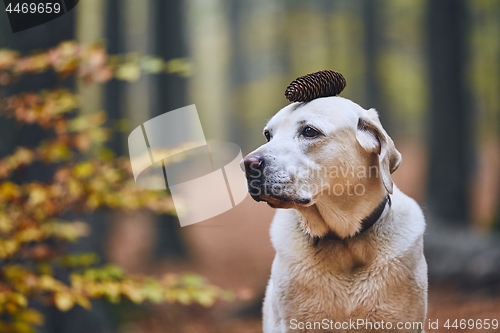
[[171, 93], [257, 64], [485, 80], [371, 43], [450, 137], [38, 266], [154, 27]]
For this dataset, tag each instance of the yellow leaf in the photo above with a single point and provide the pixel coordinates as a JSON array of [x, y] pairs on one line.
[[28, 235], [105, 154], [47, 282], [183, 297], [192, 280], [75, 188], [94, 289], [39, 61], [9, 190], [77, 282], [181, 66], [8, 58], [8, 247], [19, 299], [31, 316], [132, 291], [170, 295], [22, 327], [205, 298], [24, 155], [84, 169], [55, 152], [37, 195], [98, 134], [68, 230], [83, 302], [5, 223], [128, 72], [45, 268], [152, 64], [64, 301], [66, 102], [112, 289], [11, 307]]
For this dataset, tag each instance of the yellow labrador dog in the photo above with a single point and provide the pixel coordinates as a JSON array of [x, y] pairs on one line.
[[349, 243]]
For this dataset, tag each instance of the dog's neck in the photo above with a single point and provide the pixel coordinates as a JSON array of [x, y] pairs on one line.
[[366, 223], [343, 216]]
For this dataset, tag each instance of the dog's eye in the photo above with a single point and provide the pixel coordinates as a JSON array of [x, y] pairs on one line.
[[267, 135], [310, 132]]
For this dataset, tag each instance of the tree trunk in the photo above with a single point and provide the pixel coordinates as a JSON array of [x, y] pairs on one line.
[[171, 94], [450, 138], [372, 42]]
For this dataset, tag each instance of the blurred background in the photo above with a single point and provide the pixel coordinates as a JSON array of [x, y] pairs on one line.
[[430, 68]]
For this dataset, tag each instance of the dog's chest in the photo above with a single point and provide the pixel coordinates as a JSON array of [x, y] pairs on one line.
[[337, 283], [371, 277], [334, 281]]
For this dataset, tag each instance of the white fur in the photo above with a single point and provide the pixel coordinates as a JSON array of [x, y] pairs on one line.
[[378, 275]]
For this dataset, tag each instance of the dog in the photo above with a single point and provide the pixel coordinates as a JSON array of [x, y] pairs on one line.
[[349, 243]]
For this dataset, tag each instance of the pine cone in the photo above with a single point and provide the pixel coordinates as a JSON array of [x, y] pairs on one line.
[[320, 84]]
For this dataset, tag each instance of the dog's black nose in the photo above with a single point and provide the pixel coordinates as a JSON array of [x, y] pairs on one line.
[[253, 166]]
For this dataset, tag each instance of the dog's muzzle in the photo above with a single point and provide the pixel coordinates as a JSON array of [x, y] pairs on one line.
[[268, 183], [253, 166]]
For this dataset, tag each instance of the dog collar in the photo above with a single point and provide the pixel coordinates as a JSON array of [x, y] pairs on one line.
[[366, 223]]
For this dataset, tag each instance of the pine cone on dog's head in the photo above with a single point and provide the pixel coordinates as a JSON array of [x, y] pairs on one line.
[[320, 84]]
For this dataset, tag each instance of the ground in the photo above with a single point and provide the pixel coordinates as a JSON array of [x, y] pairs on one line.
[[445, 302]]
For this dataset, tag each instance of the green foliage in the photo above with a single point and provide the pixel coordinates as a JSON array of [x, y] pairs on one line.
[[32, 231]]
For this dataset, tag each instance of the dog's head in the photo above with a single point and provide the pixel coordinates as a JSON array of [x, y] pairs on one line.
[[327, 148]]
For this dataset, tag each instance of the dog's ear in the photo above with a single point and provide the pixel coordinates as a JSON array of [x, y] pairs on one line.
[[374, 139]]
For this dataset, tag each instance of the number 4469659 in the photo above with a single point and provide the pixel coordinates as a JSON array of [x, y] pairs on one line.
[[485, 324], [32, 8]]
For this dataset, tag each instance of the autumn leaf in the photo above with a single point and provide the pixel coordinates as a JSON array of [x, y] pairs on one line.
[[152, 65], [9, 190], [128, 72], [7, 58], [83, 170], [83, 301], [205, 297], [21, 327], [64, 301], [30, 316], [8, 247]]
